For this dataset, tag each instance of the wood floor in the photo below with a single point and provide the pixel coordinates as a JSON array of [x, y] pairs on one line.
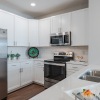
[[26, 93]]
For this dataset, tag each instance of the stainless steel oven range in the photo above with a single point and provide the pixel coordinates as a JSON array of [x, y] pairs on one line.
[[55, 69]]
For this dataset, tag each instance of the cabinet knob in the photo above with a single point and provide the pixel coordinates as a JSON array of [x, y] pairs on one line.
[[74, 67]]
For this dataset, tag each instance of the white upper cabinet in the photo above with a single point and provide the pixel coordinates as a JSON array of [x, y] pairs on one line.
[[61, 23], [44, 32], [56, 24], [7, 22], [79, 27], [33, 33], [66, 22], [21, 31]]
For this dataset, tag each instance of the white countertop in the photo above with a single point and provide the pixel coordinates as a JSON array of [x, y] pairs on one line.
[[27, 59], [77, 62], [58, 91]]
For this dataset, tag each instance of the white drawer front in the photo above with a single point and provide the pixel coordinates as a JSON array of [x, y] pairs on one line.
[[41, 63], [74, 67], [70, 72]]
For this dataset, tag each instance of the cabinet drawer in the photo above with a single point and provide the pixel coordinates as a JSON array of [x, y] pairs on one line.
[[13, 66], [40, 63], [74, 67], [70, 72]]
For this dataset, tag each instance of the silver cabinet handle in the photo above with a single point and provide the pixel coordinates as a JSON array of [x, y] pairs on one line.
[[13, 65], [16, 43], [74, 67], [27, 63], [43, 68], [29, 43], [20, 70], [60, 30]]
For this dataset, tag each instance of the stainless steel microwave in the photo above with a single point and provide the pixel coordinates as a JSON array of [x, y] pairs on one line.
[[61, 38]]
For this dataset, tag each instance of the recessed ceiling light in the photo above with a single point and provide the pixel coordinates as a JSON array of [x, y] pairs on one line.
[[33, 4]]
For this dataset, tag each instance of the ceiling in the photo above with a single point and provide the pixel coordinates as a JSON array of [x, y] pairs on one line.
[[43, 7]]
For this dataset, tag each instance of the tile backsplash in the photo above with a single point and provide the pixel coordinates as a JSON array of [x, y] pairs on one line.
[[21, 50], [47, 52]]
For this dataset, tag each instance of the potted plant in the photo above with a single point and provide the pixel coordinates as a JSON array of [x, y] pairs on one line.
[[8, 56], [17, 56], [12, 56]]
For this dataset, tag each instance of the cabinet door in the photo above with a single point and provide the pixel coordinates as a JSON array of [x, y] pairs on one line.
[[79, 27], [7, 22], [13, 76], [39, 70], [56, 24], [66, 22], [33, 33], [34, 72], [21, 31], [26, 73], [44, 32]]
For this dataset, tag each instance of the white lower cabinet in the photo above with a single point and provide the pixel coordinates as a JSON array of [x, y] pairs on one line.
[[13, 76], [71, 68], [26, 73], [38, 72], [39, 75], [19, 74]]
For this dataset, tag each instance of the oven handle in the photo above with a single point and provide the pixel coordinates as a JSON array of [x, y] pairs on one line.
[[54, 64]]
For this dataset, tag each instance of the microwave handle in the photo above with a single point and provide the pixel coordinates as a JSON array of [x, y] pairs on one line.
[[69, 38]]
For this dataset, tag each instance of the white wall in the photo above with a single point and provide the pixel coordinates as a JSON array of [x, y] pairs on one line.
[[69, 9], [94, 32]]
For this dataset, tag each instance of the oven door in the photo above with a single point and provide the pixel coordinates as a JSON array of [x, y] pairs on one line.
[[54, 72]]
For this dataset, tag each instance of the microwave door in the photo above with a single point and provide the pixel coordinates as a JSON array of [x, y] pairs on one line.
[[54, 41]]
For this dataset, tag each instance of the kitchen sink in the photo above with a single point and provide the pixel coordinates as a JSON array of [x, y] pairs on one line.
[[91, 75]]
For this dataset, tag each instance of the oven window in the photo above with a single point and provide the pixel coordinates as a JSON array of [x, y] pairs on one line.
[[54, 72]]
